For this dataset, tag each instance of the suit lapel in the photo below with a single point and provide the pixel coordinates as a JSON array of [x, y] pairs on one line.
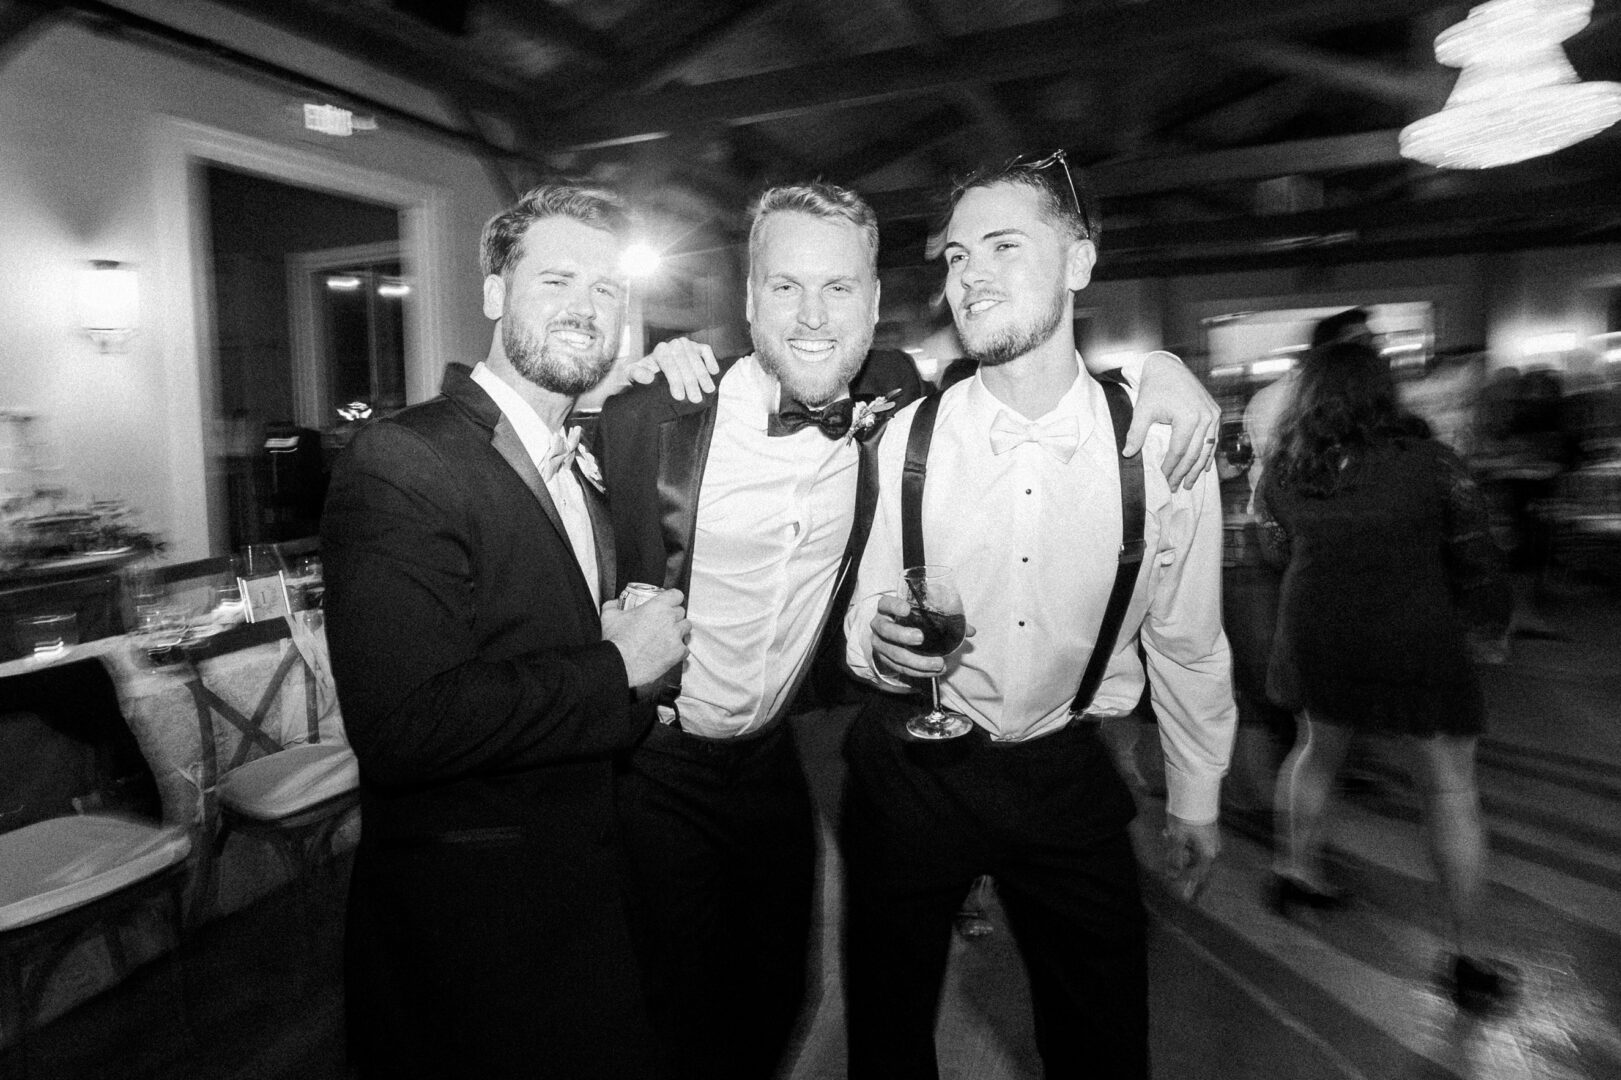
[[602, 529], [683, 453], [510, 447]]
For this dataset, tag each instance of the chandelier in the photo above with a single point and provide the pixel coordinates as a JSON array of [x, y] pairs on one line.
[[1517, 96]]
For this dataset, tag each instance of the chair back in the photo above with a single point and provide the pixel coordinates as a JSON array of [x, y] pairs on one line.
[[66, 748], [254, 694]]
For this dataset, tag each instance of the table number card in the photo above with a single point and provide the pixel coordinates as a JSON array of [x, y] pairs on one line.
[[265, 597]]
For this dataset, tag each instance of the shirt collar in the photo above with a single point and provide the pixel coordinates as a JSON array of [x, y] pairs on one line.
[[1082, 400], [530, 428], [752, 393]]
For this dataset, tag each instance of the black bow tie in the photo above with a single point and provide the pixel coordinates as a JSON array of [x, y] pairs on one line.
[[833, 420]]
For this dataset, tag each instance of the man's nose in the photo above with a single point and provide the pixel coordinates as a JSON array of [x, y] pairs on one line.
[[579, 302], [974, 271], [812, 310]]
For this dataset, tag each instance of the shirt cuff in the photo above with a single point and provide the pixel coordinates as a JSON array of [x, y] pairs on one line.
[[858, 646], [1194, 799]]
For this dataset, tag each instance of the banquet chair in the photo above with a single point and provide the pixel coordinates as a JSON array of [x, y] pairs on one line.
[[81, 853], [268, 769]]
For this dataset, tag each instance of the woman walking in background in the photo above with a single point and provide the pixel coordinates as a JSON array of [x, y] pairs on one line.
[[1383, 538]]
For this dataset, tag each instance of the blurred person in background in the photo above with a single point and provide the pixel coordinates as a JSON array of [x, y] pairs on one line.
[[1250, 583], [1265, 410], [1383, 537]]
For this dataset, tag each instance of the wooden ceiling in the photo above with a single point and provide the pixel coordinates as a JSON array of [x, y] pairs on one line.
[[1221, 134]]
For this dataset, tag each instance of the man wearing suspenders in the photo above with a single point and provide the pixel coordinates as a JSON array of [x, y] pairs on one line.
[[1062, 549], [753, 499]]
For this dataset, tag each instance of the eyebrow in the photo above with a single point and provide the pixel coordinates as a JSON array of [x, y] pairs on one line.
[[789, 275], [1010, 231]]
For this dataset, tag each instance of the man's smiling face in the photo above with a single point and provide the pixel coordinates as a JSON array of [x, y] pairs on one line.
[[812, 303], [1010, 272], [561, 305]]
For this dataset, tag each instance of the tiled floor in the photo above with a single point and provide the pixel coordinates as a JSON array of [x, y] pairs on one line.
[[1237, 992]]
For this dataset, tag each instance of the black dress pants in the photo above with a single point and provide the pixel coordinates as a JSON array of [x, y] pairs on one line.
[[722, 851], [1047, 819]]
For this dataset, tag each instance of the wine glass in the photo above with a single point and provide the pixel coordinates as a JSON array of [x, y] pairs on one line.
[[936, 605]]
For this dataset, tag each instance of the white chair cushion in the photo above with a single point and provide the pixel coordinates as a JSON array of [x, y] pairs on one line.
[[292, 779], [62, 863]]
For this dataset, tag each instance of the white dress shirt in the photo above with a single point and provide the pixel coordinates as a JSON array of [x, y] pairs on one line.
[[774, 515], [564, 485], [1034, 542]]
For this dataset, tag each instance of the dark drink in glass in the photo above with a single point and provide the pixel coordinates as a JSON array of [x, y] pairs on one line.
[[942, 634], [936, 609]]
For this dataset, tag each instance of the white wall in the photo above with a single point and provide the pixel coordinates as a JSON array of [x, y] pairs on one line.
[[87, 172]]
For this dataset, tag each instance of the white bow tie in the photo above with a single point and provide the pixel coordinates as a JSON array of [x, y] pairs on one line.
[[567, 451], [1058, 435]]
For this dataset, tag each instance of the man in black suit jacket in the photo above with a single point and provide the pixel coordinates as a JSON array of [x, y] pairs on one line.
[[467, 550], [752, 500]]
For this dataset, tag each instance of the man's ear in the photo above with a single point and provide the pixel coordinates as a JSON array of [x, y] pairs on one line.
[[748, 300], [495, 296], [1083, 255], [877, 300]]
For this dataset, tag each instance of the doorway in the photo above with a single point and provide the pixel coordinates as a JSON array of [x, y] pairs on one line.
[[183, 150], [270, 246]]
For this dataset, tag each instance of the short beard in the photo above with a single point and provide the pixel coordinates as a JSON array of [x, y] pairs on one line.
[[534, 359], [1015, 341], [814, 395]]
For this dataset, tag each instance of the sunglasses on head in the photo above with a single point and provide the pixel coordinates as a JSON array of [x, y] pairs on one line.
[[1035, 163]]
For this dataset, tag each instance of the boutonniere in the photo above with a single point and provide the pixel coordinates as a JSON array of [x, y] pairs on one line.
[[865, 415], [589, 468]]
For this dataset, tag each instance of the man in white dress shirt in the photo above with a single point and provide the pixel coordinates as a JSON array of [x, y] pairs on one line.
[[1023, 499], [752, 499]]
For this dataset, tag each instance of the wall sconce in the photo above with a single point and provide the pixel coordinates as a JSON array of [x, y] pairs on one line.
[[107, 306]]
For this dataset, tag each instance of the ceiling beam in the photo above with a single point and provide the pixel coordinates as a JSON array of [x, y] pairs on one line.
[[1084, 43], [1335, 153], [1381, 82], [20, 21], [1247, 118], [921, 20], [554, 25], [1173, 172], [695, 31], [103, 18], [1479, 221], [918, 135], [434, 61]]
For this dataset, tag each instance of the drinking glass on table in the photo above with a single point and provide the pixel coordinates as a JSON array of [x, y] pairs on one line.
[[936, 609], [262, 560]]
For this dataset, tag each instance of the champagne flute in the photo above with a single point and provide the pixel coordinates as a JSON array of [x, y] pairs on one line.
[[931, 592]]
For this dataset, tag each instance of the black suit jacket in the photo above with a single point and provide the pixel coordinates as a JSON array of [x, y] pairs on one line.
[[486, 930], [653, 451]]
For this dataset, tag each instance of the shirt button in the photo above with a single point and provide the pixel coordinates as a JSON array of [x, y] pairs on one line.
[[1025, 559], [1021, 622], [1027, 491]]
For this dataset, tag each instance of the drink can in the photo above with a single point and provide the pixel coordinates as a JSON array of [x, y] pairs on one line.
[[636, 594]]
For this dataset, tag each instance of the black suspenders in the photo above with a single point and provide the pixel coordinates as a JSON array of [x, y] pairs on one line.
[[1132, 511]]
